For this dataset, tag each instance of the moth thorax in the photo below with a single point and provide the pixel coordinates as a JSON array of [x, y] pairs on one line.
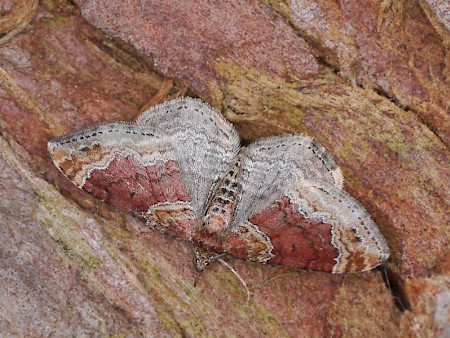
[[221, 209], [215, 222]]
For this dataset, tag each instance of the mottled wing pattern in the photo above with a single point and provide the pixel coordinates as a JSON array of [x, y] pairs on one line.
[[163, 168], [272, 166], [293, 211], [179, 168], [205, 144], [129, 167]]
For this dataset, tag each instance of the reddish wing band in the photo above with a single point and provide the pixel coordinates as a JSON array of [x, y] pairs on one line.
[[292, 211], [129, 168], [316, 227], [280, 202]]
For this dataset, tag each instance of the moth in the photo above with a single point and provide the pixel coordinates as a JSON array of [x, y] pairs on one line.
[[180, 169]]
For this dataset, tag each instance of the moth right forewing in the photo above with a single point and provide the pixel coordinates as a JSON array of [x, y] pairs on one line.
[[272, 166]]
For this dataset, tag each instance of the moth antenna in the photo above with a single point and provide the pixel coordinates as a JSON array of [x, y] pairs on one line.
[[238, 277], [386, 277], [395, 288]]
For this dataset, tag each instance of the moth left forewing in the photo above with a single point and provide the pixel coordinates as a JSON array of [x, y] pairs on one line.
[[127, 166]]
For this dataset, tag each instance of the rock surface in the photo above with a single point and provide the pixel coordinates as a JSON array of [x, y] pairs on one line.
[[370, 81]]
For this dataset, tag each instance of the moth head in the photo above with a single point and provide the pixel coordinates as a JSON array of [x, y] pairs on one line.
[[203, 257], [202, 260]]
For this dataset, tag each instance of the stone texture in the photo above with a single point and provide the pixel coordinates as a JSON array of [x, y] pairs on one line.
[[389, 47], [440, 11], [56, 278], [369, 80]]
